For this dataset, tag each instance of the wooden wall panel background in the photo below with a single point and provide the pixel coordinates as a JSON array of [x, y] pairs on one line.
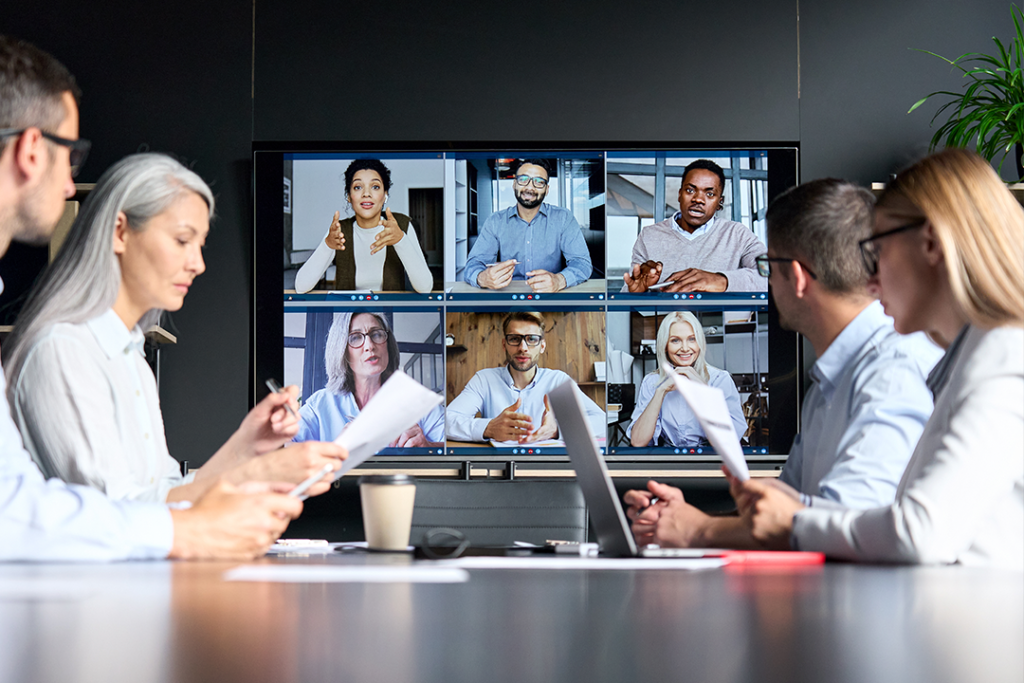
[[575, 341]]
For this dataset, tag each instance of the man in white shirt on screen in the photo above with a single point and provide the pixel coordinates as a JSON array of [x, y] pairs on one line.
[[870, 400], [49, 520], [511, 400]]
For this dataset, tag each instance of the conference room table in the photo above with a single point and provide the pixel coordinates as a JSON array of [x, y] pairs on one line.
[[181, 621]]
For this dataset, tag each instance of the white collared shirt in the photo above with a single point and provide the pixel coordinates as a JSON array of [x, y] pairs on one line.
[[87, 405], [961, 498], [52, 521]]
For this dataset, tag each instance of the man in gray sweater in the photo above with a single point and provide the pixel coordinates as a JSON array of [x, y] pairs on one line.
[[695, 250]]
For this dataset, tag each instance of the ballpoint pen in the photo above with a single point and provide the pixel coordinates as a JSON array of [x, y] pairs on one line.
[[644, 508], [277, 389]]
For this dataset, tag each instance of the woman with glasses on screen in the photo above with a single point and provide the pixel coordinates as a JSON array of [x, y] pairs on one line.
[[946, 257], [360, 355], [661, 412], [80, 389], [374, 249]]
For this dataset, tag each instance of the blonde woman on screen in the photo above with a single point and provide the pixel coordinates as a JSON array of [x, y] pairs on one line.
[[374, 249], [947, 257], [80, 389], [660, 410]]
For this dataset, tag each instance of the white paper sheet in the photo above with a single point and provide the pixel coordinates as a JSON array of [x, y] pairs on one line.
[[584, 563], [708, 404], [399, 404], [345, 573]]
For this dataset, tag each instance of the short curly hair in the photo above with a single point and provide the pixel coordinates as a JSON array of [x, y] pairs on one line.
[[367, 165]]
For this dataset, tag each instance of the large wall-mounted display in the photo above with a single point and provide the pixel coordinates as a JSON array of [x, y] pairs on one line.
[[493, 273]]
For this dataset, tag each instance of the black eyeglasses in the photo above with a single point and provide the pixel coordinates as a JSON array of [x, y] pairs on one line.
[[764, 265], [79, 148], [377, 336], [517, 339], [869, 248], [538, 182]]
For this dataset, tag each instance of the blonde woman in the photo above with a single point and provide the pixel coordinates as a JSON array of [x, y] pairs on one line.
[[947, 257], [660, 410]]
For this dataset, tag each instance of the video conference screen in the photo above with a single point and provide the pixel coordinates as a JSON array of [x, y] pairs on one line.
[[492, 275]]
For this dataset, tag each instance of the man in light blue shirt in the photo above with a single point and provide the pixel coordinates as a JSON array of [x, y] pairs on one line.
[[49, 520], [512, 400], [531, 241], [869, 404]]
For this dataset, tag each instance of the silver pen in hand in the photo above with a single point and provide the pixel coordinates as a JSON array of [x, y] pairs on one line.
[[644, 509], [278, 389]]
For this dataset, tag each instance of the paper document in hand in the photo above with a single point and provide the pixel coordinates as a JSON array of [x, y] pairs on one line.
[[708, 405], [400, 403]]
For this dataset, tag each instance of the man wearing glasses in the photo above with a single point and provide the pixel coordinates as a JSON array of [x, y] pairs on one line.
[[530, 241], [863, 416], [49, 520], [512, 399]]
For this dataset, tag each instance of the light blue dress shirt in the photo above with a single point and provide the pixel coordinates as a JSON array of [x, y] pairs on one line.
[[552, 238], [864, 415], [676, 421], [52, 521], [324, 414], [492, 390]]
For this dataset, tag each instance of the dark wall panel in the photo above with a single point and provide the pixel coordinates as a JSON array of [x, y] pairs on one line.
[[513, 71], [174, 77], [859, 77], [177, 77]]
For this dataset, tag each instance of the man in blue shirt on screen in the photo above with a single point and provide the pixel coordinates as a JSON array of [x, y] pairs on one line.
[[511, 400], [49, 520], [870, 400], [531, 241]]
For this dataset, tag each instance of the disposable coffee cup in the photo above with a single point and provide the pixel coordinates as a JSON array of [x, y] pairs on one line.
[[387, 501]]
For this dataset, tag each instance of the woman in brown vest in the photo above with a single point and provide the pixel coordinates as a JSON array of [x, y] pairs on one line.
[[374, 249]]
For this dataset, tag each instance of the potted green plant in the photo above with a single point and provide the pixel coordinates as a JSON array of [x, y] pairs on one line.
[[991, 108]]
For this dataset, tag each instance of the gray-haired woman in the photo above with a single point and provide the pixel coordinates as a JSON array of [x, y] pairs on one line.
[[360, 355], [80, 389]]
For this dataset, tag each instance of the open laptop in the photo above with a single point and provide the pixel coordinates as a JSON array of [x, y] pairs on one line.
[[613, 534]]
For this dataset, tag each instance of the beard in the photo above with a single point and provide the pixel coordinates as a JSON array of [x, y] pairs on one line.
[[30, 222], [529, 203], [520, 367]]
